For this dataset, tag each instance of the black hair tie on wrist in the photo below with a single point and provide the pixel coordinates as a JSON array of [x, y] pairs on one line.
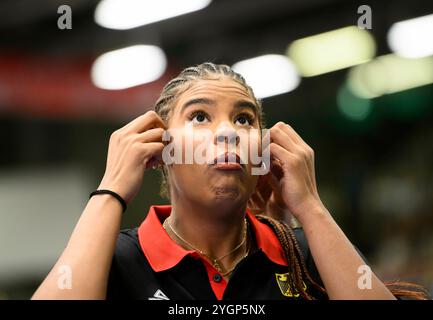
[[114, 194]]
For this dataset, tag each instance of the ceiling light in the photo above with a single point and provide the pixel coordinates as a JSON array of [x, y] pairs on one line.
[[331, 51], [128, 67], [268, 75], [128, 14], [412, 38]]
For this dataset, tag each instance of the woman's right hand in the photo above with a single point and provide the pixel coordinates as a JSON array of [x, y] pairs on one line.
[[132, 149]]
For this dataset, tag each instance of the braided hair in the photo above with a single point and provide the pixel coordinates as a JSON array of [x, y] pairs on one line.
[[298, 271]]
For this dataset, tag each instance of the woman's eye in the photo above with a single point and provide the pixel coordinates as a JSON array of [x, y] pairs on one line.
[[198, 117], [244, 120]]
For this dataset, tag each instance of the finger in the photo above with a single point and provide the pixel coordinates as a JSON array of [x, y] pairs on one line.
[[291, 161], [289, 131], [301, 146], [279, 153], [153, 150], [279, 136], [147, 121], [151, 135], [277, 158], [293, 134], [306, 150], [276, 169]]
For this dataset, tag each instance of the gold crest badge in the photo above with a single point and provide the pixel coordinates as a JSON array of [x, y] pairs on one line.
[[284, 285]]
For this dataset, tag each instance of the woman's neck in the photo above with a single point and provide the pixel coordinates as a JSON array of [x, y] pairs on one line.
[[208, 229]]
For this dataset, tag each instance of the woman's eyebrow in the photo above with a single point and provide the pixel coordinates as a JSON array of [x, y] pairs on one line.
[[246, 104], [197, 101], [239, 104]]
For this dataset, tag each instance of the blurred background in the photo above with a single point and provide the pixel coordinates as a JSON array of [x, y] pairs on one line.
[[355, 82]]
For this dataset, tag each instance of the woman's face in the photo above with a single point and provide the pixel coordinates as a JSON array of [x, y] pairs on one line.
[[216, 120]]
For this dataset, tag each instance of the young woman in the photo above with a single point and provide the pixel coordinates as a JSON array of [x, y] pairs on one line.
[[227, 233]]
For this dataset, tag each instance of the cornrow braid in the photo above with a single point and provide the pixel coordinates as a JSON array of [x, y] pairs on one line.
[[204, 71], [298, 272]]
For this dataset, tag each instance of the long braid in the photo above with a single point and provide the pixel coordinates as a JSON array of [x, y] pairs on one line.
[[298, 271], [288, 250]]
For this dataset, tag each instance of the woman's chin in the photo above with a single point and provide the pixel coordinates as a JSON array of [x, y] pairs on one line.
[[228, 195]]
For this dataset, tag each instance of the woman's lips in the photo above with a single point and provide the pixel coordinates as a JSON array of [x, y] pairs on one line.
[[227, 166], [227, 161]]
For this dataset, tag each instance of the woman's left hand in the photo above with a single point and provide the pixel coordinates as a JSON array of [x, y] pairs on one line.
[[292, 172]]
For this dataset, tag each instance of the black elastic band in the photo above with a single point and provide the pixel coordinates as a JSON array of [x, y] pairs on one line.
[[114, 194]]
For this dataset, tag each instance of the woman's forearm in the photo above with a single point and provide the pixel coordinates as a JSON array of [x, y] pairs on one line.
[[337, 260], [90, 249], [88, 254]]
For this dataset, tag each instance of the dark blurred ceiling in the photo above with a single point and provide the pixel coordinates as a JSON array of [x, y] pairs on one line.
[[226, 30]]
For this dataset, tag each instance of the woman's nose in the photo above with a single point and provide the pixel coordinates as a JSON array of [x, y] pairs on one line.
[[226, 134]]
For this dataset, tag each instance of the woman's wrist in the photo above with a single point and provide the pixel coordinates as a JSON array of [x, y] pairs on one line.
[[106, 201], [310, 212], [112, 194], [115, 187]]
